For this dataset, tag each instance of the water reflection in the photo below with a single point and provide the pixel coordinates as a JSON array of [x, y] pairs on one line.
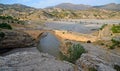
[[49, 44]]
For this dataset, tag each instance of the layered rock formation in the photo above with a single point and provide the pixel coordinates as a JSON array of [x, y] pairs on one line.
[[33, 61], [15, 39], [90, 62], [98, 59]]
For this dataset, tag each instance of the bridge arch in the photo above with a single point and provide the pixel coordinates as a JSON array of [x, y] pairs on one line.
[[63, 35]]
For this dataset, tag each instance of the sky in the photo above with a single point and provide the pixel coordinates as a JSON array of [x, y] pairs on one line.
[[47, 3]]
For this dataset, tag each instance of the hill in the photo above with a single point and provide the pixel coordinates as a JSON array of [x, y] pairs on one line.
[[17, 7], [111, 6], [71, 6], [61, 11]]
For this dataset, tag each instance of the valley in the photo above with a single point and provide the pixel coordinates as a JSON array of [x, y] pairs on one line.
[[59, 39]]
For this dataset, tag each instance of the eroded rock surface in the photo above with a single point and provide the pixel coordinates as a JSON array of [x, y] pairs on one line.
[[98, 58], [15, 39], [88, 61], [33, 61]]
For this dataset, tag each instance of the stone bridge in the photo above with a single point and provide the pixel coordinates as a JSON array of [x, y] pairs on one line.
[[63, 35]]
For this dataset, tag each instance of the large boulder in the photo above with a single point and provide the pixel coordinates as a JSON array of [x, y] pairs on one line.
[[109, 56], [15, 39], [90, 62], [32, 61]]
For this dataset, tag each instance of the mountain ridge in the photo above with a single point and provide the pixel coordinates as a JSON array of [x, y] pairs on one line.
[[23, 12], [70, 6], [110, 6]]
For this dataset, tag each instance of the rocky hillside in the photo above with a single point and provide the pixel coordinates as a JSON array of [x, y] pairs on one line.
[[23, 12], [111, 6], [83, 14], [10, 20], [71, 6], [17, 7]]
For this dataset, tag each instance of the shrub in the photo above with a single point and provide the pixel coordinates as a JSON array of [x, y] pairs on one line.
[[6, 17], [92, 69], [115, 43], [10, 19], [107, 45], [5, 26], [112, 47], [116, 29], [21, 22], [2, 17], [117, 67], [74, 52], [102, 44]]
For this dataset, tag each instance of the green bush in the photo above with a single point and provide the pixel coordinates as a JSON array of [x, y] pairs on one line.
[[2, 17], [21, 22], [74, 52], [102, 44], [112, 47], [10, 19], [115, 28], [6, 17], [92, 69], [117, 67], [5, 26], [115, 43]]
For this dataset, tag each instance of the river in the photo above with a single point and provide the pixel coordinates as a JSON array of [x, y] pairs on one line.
[[49, 44]]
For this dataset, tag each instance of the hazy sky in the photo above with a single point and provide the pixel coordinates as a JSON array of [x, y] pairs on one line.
[[46, 3]]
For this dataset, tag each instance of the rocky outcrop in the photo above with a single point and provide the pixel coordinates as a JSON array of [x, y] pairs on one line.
[[88, 62], [15, 39], [111, 56], [32, 61]]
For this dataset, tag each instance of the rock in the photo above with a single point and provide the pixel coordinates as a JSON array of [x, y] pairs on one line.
[[28, 49], [15, 39], [109, 56], [33, 61], [88, 61], [103, 67]]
